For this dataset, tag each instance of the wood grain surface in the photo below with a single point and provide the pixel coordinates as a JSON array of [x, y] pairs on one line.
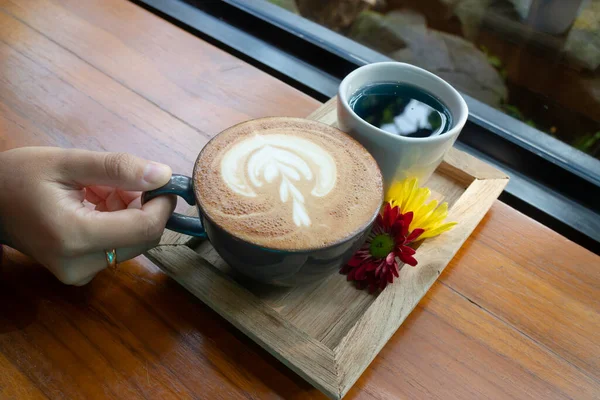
[[514, 315], [328, 332]]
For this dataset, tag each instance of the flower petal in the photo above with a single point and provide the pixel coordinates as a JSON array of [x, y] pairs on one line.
[[438, 230], [355, 261], [379, 221], [410, 260], [395, 193], [345, 269], [406, 220], [414, 235], [390, 278], [409, 188], [399, 240], [372, 287], [408, 217], [351, 275], [397, 228], [372, 265], [407, 250], [418, 199], [391, 216], [422, 214], [437, 217], [361, 273], [405, 217], [383, 284], [390, 259], [385, 218]]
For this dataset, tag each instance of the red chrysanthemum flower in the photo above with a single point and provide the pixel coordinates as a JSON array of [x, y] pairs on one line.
[[375, 264]]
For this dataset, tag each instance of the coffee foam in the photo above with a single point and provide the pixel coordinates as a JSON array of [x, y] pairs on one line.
[[263, 158], [288, 183]]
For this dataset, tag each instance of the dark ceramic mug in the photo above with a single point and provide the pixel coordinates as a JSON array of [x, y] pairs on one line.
[[272, 266]]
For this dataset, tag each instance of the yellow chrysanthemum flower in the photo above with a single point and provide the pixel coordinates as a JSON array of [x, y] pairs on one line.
[[408, 196]]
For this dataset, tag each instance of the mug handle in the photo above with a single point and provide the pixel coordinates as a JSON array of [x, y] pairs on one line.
[[183, 187]]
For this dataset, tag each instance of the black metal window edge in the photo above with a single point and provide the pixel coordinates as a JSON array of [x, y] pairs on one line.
[[510, 128], [550, 181]]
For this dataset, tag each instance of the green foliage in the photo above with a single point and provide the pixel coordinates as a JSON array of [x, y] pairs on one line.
[[495, 62], [289, 5], [586, 142], [514, 112]]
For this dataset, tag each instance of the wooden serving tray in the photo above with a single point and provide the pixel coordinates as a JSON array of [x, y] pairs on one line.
[[329, 332]]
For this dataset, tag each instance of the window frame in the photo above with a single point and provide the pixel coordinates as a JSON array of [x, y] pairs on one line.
[[551, 181]]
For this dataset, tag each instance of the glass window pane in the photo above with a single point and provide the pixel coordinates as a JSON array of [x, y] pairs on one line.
[[536, 60]]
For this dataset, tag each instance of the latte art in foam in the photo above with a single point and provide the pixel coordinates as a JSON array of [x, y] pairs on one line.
[[287, 183], [284, 160]]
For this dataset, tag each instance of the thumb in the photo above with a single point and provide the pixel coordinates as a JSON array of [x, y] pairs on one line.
[[118, 170]]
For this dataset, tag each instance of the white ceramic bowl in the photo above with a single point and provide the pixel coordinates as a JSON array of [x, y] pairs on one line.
[[401, 157]]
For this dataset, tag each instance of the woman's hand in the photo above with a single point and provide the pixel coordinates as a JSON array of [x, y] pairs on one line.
[[66, 207]]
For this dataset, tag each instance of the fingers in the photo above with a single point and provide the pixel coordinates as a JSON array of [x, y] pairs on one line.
[[85, 281], [128, 196], [136, 203], [114, 202], [81, 270], [100, 194], [92, 196], [129, 227], [119, 170], [96, 194]]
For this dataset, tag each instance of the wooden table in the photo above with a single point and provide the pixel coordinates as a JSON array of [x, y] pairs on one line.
[[515, 315]]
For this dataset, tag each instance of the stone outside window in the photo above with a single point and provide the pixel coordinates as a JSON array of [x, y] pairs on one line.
[[536, 60]]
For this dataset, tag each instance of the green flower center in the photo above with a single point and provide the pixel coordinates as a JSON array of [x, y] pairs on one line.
[[381, 246]]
